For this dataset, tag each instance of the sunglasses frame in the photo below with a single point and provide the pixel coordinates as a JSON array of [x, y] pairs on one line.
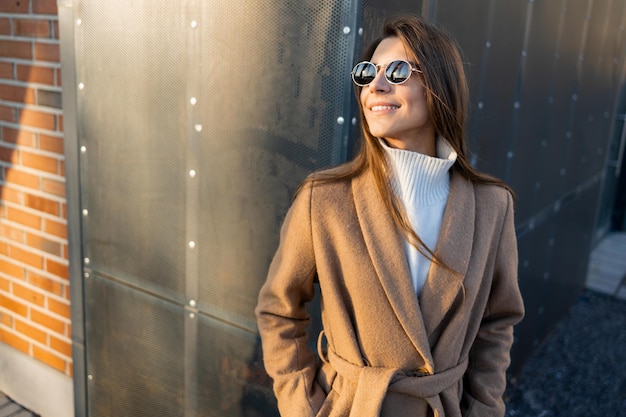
[[379, 66]]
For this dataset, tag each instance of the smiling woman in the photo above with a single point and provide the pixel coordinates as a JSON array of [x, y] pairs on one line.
[[413, 249]]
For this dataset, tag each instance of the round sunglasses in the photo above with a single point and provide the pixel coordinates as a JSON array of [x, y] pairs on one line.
[[396, 72]]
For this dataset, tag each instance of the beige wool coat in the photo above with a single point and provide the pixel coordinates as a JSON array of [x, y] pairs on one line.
[[384, 350]]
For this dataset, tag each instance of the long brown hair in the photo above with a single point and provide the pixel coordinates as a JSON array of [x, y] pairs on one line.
[[443, 77]]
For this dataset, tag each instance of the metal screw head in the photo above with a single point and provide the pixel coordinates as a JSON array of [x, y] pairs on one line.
[[340, 120]]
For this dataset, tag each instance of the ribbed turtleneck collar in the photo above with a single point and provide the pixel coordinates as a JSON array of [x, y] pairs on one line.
[[419, 179]]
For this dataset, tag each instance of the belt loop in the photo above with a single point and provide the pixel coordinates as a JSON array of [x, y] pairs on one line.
[[320, 352]]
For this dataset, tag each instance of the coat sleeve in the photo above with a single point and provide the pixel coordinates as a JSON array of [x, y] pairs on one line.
[[282, 317], [485, 379]]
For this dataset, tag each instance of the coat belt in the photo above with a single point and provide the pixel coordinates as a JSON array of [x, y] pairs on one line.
[[372, 384]]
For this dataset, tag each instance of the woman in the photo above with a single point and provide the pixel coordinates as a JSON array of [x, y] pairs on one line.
[[414, 251]]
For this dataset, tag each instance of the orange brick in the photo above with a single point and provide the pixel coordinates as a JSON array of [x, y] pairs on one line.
[[53, 187], [17, 177], [4, 286], [9, 155], [35, 28], [6, 70], [40, 162], [57, 268], [9, 268], [13, 305], [44, 7], [60, 308], [60, 123], [18, 137], [14, 7], [7, 113], [55, 228], [17, 94], [51, 143], [6, 319], [14, 340], [28, 294], [4, 250], [24, 218], [11, 232], [30, 332], [16, 49], [61, 346], [47, 52], [36, 118], [35, 74], [47, 321], [43, 244], [66, 252], [49, 358], [25, 256], [42, 204], [46, 284], [12, 195], [5, 26]]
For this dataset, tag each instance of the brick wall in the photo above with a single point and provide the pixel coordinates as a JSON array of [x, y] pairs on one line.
[[34, 282]]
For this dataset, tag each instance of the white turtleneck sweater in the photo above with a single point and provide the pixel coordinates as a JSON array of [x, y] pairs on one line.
[[422, 184]]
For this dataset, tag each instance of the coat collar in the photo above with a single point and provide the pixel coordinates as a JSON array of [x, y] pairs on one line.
[[385, 246]]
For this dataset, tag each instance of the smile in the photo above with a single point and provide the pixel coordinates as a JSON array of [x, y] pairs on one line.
[[381, 108]]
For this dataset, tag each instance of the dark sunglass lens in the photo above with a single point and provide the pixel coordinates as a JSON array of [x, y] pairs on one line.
[[398, 72], [364, 73]]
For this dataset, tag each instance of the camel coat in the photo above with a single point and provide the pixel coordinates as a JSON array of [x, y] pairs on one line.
[[384, 351]]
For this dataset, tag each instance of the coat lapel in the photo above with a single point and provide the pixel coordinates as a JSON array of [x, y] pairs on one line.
[[454, 248], [385, 246]]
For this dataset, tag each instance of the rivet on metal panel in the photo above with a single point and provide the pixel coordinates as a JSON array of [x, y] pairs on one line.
[[192, 244], [192, 173], [90, 377], [192, 315], [83, 149], [488, 44], [86, 275], [85, 212], [87, 261], [194, 24], [192, 303], [78, 22], [340, 120], [354, 121], [360, 31], [481, 104], [516, 104], [81, 86], [524, 53], [574, 97], [509, 154], [197, 127], [346, 30], [193, 101]]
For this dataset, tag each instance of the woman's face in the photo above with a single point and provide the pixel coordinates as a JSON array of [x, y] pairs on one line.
[[398, 113]]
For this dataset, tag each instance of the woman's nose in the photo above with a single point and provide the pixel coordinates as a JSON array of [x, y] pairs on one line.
[[379, 83]]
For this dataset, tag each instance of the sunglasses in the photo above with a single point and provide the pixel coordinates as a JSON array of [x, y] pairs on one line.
[[396, 72]]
